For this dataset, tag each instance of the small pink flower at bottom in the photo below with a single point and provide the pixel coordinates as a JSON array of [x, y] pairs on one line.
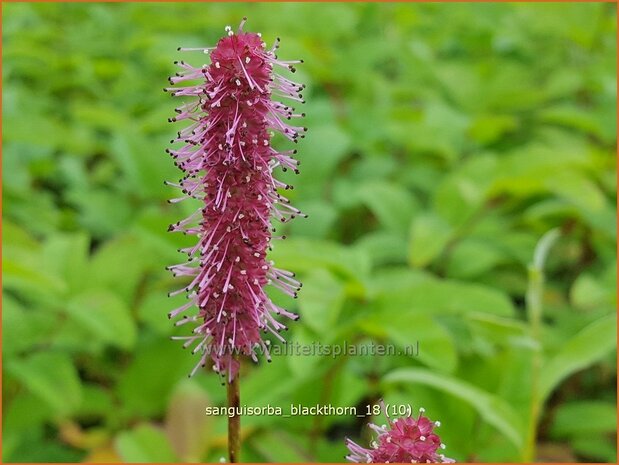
[[403, 440]]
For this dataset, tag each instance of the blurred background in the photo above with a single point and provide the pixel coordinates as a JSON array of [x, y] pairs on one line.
[[444, 142]]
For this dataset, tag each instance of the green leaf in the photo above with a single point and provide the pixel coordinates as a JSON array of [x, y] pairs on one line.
[[409, 331], [584, 418], [154, 308], [433, 296], [323, 217], [299, 362], [144, 172], [151, 226], [500, 330], [591, 292], [572, 116], [25, 412], [530, 170], [103, 212], [144, 444], [163, 363], [105, 315], [487, 129], [52, 377], [16, 236], [596, 448], [280, 447], [472, 257], [577, 189], [66, 255], [491, 408], [323, 297], [591, 344], [31, 280], [428, 236], [23, 327], [383, 247], [440, 130], [118, 266], [396, 280], [96, 400], [461, 193], [319, 154], [391, 204], [300, 255]]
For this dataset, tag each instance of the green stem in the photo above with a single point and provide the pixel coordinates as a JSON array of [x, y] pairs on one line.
[[535, 292], [234, 421]]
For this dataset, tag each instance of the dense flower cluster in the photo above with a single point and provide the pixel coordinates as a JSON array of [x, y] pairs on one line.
[[228, 163], [403, 440]]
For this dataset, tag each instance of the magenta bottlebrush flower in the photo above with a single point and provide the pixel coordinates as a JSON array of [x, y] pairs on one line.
[[228, 163], [404, 440]]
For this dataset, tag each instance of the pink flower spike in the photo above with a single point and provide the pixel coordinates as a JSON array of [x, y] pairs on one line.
[[228, 163], [403, 440]]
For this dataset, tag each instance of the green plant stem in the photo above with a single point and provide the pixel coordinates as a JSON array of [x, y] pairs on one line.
[[535, 292], [234, 421]]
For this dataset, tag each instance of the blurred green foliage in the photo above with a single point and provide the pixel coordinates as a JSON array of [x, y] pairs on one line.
[[444, 141]]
